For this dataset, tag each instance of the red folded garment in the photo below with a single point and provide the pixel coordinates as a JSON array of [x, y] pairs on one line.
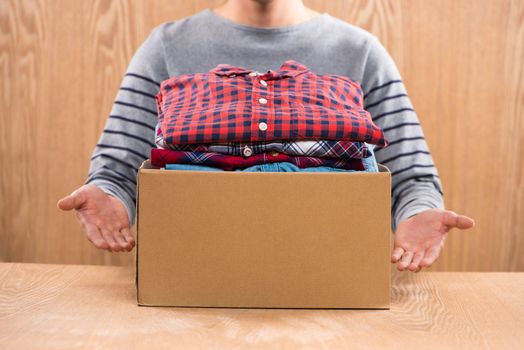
[[161, 157], [234, 104]]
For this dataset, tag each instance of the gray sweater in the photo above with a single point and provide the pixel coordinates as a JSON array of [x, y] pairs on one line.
[[325, 44]]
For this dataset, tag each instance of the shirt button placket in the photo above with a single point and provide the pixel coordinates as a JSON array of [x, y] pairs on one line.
[[260, 88]]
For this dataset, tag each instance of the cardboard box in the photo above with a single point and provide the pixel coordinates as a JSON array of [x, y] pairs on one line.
[[261, 239]]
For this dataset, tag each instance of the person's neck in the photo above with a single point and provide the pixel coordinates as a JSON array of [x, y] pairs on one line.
[[265, 13]]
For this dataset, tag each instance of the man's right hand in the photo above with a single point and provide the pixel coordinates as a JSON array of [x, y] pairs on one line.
[[103, 218]]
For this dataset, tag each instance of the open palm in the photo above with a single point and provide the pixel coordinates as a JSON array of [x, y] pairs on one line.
[[420, 239], [103, 218]]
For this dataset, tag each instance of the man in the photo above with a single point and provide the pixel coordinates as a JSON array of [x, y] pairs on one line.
[[261, 34]]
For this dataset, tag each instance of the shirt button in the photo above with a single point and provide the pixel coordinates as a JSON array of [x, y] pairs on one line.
[[262, 100], [262, 126], [274, 153], [247, 151], [253, 74], [263, 82]]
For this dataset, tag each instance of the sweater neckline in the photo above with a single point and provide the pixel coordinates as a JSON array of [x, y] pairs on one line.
[[286, 29]]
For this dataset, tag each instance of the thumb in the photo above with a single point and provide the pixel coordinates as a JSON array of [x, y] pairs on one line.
[[452, 219], [74, 201]]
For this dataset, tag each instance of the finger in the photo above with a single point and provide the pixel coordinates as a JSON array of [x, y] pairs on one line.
[[128, 236], [108, 236], [93, 234], [119, 237], [431, 255], [405, 261], [452, 219], [397, 253], [416, 261], [73, 201]]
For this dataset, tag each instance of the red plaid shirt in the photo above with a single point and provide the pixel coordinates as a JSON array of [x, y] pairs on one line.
[[160, 157], [234, 104]]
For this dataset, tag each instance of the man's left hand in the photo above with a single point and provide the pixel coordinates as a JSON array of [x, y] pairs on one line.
[[419, 239]]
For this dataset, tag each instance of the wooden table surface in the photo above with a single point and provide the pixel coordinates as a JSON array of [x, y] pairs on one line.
[[46, 306]]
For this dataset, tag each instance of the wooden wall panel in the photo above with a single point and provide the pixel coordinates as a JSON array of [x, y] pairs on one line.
[[468, 87], [61, 63]]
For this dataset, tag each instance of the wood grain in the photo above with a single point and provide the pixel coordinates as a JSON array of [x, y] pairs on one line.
[[61, 63], [82, 306]]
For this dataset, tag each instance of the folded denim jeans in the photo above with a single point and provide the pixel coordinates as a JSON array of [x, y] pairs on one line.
[[267, 167]]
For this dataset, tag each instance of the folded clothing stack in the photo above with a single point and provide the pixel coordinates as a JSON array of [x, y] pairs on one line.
[[232, 118]]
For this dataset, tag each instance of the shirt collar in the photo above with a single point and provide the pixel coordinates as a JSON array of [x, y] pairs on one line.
[[289, 68]]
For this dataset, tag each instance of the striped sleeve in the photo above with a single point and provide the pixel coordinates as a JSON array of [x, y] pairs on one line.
[[416, 185], [128, 135]]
